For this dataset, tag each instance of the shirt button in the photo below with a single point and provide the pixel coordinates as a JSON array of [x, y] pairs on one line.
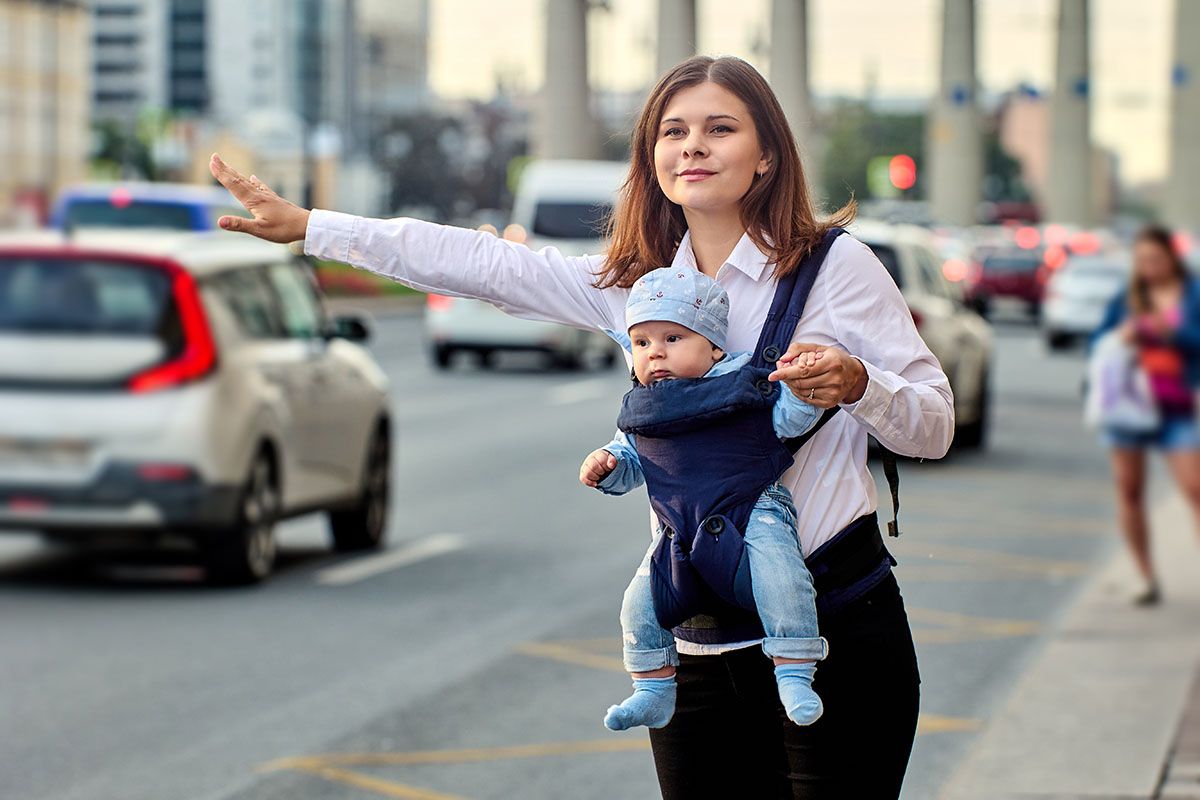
[[771, 353], [714, 525], [765, 386]]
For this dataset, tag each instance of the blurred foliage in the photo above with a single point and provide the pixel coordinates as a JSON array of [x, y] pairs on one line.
[[448, 165], [854, 135], [340, 280], [125, 150]]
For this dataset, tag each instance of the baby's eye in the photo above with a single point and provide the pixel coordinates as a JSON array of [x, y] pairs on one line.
[[640, 342], [674, 337]]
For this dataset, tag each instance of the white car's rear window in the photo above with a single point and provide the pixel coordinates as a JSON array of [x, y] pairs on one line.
[[46, 295]]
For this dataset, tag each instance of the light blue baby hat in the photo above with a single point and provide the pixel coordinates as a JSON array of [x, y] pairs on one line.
[[681, 295]]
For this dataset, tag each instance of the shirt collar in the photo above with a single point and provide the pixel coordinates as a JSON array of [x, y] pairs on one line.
[[746, 257]]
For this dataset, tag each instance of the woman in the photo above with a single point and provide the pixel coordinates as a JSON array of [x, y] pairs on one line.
[[716, 185], [1159, 314]]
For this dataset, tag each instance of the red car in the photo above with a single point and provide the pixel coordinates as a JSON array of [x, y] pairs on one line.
[[1018, 274]]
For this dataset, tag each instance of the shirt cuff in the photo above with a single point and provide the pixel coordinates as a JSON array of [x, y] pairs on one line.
[[872, 407], [330, 234]]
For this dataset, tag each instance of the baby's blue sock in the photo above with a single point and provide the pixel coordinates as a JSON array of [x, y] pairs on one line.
[[795, 690], [652, 704]]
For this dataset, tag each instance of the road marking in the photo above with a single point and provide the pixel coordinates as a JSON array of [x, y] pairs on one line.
[[360, 569], [376, 785], [579, 391], [998, 560], [569, 654], [933, 723], [955, 627]]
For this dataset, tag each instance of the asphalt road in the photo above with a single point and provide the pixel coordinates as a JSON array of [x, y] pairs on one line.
[[475, 658]]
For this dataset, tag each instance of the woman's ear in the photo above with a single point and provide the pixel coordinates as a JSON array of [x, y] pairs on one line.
[[764, 164]]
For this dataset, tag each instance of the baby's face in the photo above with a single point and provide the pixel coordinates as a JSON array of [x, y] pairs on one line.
[[665, 350]]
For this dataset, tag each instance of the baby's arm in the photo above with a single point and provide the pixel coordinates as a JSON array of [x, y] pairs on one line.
[[614, 468], [792, 416]]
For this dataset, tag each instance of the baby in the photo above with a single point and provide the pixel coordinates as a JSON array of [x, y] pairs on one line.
[[677, 320]]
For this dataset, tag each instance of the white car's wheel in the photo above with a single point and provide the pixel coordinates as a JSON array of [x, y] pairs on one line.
[[363, 526], [246, 552]]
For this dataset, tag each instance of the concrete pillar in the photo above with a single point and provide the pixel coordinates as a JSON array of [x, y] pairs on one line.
[[789, 79], [565, 127], [953, 143], [1069, 189], [1183, 169], [676, 32]]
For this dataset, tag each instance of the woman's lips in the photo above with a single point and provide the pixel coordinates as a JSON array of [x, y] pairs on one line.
[[692, 177]]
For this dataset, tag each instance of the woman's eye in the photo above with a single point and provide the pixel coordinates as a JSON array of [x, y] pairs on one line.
[[673, 132], [722, 129]]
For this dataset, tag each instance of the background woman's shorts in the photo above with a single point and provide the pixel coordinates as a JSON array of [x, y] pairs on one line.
[[1174, 433]]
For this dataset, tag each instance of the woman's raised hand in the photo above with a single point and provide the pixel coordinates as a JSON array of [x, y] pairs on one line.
[[831, 376], [275, 219]]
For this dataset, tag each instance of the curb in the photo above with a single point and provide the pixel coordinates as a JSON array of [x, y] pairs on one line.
[[1096, 712]]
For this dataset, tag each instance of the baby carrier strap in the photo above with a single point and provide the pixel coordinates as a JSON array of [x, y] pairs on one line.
[[787, 307]]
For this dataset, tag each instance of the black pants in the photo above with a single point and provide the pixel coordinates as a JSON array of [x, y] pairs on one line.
[[730, 737]]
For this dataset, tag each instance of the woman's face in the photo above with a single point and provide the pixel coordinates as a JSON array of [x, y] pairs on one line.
[[1152, 263], [707, 152]]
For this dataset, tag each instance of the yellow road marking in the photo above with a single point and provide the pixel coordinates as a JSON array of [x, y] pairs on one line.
[[622, 744], [932, 573], [932, 723], [377, 785], [571, 655], [954, 627], [997, 560]]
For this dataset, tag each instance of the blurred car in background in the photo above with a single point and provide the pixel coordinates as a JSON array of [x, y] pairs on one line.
[[170, 206], [1010, 274], [959, 338], [161, 383], [560, 204], [1078, 294]]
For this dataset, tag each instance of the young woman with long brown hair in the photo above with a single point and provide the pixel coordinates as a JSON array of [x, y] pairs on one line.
[[716, 185], [1158, 314]]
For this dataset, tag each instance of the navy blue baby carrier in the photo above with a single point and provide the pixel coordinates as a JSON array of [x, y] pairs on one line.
[[708, 450]]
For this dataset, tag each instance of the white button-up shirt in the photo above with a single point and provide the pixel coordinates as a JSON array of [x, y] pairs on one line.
[[854, 305]]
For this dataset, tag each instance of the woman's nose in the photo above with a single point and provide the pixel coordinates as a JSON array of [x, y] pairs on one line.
[[694, 146]]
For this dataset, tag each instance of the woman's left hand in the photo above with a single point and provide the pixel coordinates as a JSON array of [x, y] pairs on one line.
[[834, 377]]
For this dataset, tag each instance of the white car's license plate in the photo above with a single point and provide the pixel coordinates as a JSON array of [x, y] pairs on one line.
[[18, 452]]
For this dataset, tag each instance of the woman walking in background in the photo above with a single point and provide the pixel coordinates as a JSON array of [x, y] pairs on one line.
[[1158, 315]]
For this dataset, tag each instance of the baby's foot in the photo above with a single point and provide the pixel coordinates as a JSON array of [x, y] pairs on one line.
[[795, 690], [652, 704]]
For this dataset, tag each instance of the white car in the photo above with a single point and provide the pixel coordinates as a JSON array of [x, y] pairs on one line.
[[957, 335], [160, 383], [563, 204], [1078, 294]]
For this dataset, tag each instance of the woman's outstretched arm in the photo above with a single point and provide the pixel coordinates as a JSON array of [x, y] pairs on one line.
[[543, 285]]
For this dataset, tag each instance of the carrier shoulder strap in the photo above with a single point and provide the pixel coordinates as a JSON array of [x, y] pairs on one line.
[[787, 307]]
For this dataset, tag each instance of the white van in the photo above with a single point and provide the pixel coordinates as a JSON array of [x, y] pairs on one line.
[[564, 204]]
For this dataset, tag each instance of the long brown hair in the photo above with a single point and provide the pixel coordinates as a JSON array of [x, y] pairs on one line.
[[646, 228], [1139, 295]]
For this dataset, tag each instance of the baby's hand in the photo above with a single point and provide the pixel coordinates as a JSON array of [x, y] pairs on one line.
[[806, 360], [596, 467]]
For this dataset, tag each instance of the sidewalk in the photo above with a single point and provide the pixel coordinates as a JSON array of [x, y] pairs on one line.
[[1110, 708]]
